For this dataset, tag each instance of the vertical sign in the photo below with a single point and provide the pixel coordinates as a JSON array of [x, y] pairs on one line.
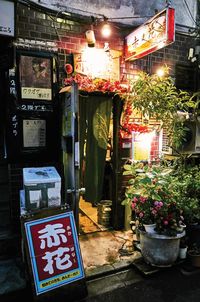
[[54, 251]]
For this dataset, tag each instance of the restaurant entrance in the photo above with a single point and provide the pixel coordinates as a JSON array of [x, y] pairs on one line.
[[91, 160]]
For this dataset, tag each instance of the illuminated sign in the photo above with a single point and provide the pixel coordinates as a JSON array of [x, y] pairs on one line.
[[54, 251], [98, 63], [155, 34], [7, 18], [141, 145]]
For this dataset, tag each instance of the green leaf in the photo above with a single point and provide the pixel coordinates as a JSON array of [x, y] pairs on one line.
[[127, 173], [156, 196], [128, 167]]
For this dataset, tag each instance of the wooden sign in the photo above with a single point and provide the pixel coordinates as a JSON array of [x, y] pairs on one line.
[[154, 34], [54, 251]]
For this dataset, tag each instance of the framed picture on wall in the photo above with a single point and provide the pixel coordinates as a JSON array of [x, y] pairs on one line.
[[35, 76]]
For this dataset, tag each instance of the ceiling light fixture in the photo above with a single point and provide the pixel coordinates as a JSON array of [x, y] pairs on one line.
[[106, 28]]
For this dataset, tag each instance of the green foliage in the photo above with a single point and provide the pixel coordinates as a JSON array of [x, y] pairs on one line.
[[158, 98], [187, 187]]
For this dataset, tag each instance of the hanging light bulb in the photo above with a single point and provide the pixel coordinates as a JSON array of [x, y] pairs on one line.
[[106, 29]]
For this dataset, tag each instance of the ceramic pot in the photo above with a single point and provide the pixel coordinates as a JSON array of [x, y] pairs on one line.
[[150, 228], [183, 252], [160, 250]]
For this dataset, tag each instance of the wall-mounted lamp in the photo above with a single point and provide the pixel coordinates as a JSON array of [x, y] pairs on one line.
[[160, 72], [194, 53], [90, 37]]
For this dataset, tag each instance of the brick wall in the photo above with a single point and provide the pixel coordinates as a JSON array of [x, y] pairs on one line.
[[41, 31], [69, 37]]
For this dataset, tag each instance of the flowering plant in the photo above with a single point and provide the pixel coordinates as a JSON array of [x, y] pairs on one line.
[[152, 199], [90, 84]]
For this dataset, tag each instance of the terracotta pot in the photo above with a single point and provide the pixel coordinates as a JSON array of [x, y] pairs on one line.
[[194, 259]]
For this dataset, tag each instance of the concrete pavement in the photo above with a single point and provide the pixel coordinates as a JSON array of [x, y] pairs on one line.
[[167, 285], [118, 274], [180, 283]]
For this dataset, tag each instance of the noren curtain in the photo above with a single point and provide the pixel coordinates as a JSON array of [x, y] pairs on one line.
[[95, 113]]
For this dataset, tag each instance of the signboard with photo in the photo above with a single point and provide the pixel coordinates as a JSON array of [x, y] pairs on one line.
[[54, 251], [35, 77]]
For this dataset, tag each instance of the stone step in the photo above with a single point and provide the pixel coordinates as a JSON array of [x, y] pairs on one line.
[[3, 173], [4, 193], [10, 243], [12, 277], [5, 218]]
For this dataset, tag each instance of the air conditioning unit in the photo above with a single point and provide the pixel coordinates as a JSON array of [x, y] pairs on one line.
[[191, 143]]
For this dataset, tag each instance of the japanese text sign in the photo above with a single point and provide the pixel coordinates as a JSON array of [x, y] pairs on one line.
[[155, 34], [54, 251]]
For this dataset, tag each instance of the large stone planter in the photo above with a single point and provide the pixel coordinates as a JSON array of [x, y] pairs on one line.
[[160, 250]]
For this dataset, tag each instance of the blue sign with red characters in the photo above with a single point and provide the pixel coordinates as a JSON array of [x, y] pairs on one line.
[[54, 251]]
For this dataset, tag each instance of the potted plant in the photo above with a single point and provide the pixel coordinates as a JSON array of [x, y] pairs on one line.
[[151, 196], [187, 188], [183, 248], [194, 255]]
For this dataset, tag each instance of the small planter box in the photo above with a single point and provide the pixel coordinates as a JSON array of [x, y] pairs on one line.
[[194, 258]]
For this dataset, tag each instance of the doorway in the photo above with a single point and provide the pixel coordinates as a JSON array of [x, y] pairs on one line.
[[91, 158], [97, 155]]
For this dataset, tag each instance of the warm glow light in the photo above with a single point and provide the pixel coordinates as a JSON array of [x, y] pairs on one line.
[[160, 72], [90, 58], [136, 77], [141, 145], [106, 30]]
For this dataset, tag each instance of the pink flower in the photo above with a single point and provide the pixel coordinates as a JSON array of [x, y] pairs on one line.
[[141, 214], [165, 222], [135, 199], [133, 205], [154, 212], [143, 199]]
